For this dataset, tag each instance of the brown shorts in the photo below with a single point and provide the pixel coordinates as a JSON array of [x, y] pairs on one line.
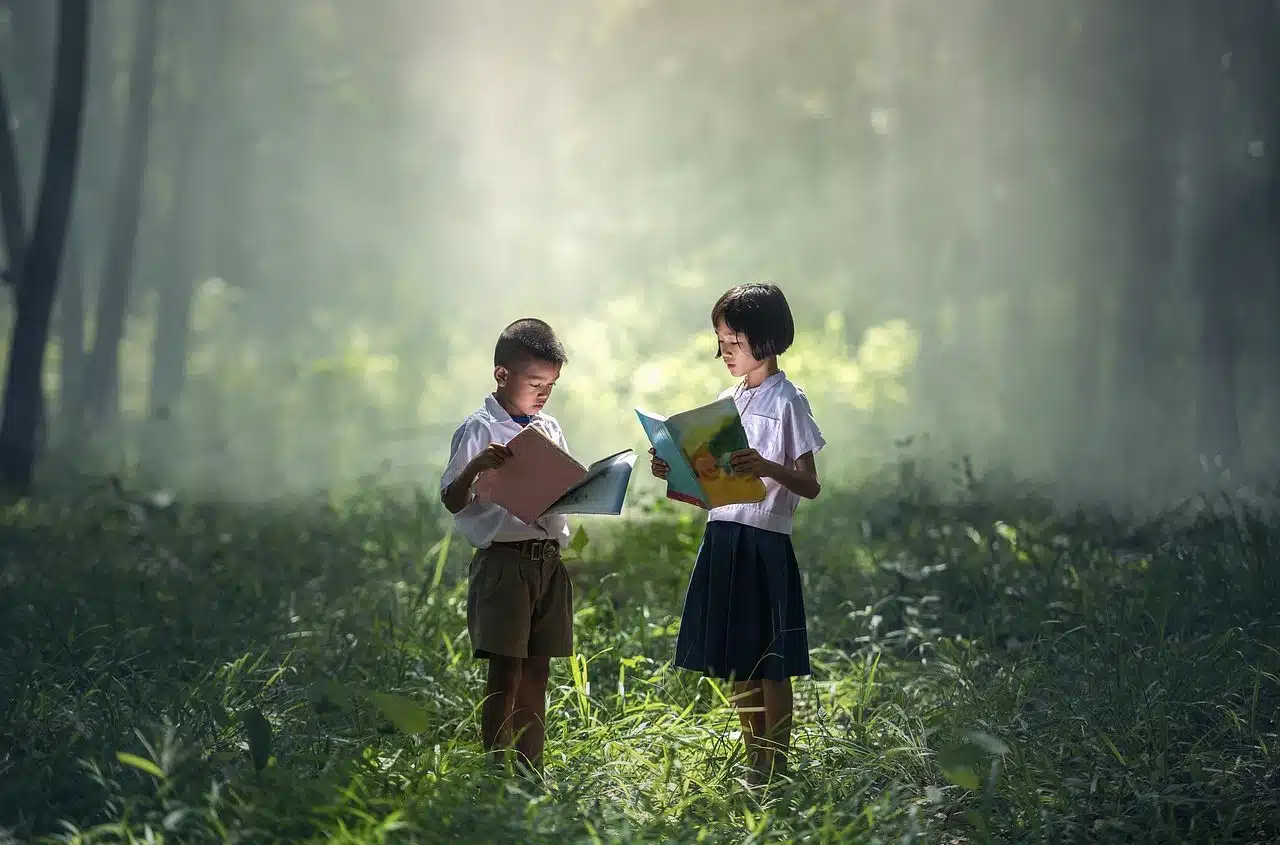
[[518, 606]]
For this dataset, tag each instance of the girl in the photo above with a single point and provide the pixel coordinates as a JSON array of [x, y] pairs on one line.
[[744, 613]]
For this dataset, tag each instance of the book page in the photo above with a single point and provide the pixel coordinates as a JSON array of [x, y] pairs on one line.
[[707, 436], [599, 467], [682, 484], [606, 490], [537, 473]]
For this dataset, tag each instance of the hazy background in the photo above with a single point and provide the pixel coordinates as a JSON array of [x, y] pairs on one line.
[[1041, 232]]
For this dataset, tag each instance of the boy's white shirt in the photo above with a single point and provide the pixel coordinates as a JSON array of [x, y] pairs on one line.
[[483, 523], [780, 426]]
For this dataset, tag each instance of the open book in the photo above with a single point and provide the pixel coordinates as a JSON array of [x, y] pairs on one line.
[[541, 478], [696, 445]]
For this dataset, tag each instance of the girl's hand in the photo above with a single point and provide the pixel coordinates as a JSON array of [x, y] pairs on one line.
[[657, 466], [749, 462]]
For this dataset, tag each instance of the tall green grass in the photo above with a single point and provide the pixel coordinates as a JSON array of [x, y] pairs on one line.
[[982, 674]]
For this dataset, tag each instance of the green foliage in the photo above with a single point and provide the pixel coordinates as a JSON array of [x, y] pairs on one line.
[[191, 672], [265, 414]]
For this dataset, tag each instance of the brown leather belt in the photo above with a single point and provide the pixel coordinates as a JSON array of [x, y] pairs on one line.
[[532, 549]]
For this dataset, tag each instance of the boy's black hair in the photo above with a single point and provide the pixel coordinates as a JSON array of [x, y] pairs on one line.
[[760, 312], [528, 339]]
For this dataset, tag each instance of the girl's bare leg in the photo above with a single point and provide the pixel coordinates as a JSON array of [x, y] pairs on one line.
[[749, 700], [777, 728]]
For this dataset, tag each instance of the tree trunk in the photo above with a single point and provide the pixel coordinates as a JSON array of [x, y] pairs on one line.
[[173, 318], [71, 324], [102, 375], [23, 393], [12, 208]]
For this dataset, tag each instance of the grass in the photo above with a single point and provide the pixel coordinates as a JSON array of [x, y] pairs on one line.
[[983, 674]]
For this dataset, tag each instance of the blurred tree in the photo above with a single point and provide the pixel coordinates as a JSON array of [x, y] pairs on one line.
[[102, 375], [24, 393], [203, 65]]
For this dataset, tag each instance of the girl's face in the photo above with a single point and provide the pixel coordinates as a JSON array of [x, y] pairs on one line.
[[523, 391], [735, 349]]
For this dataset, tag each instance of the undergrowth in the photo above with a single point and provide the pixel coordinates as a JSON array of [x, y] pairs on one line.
[[198, 673]]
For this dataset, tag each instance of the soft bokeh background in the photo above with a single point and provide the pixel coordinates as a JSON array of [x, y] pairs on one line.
[[1028, 232]]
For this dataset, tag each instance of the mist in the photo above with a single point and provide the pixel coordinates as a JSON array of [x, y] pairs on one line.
[[1040, 235]]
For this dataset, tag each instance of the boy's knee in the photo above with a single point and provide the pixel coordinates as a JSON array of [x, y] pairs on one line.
[[535, 671], [504, 672]]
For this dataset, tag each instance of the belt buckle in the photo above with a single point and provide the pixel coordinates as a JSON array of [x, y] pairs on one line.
[[535, 550]]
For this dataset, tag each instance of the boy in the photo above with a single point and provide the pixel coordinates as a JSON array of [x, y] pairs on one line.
[[519, 597]]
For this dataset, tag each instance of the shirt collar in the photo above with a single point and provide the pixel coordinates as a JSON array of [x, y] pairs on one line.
[[768, 382], [499, 413]]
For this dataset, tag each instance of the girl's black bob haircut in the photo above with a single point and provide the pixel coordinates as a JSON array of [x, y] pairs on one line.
[[759, 311]]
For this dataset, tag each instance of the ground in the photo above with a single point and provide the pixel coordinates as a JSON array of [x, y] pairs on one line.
[[983, 673]]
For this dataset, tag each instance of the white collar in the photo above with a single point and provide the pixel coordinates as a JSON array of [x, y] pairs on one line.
[[499, 413], [768, 382]]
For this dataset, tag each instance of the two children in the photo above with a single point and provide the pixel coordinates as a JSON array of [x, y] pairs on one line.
[[743, 618]]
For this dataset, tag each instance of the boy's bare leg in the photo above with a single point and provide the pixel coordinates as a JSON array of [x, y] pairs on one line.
[[750, 703], [499, 701], [530, 716], [778, 706]]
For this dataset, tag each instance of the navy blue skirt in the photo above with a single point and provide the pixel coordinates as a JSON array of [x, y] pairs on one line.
[[744, 609]]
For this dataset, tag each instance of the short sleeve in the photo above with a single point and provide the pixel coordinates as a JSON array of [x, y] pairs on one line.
[[800, 430], [468, 441], [479, 521]]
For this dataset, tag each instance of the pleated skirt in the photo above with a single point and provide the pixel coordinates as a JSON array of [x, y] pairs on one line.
[[744, 613]]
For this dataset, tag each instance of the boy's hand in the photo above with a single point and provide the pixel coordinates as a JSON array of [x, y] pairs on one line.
[[749, 462], [657, 466], [493, 456]]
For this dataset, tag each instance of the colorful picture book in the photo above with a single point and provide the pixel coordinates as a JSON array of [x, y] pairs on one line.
[[541, 478], [696, 445]]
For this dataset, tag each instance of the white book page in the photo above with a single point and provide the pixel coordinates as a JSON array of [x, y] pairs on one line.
[[604, 493]]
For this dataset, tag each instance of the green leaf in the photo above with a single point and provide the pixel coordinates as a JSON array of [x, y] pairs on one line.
[[987, 742], [407, 716], [442, 555], [140, 763], [959, 764], [220, 715], [328, 694], [964, 762], [579, 541], [258, 730]]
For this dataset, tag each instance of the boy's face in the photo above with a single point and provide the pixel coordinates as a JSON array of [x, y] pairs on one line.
[[523, 390], [735, 349]]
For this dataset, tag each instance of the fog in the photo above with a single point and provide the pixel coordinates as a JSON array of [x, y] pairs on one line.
[[1030, 232]]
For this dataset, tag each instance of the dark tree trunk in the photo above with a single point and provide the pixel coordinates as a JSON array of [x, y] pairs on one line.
[[71, 324], [102, 374], [173, 318], [12, 207], [23, 393]]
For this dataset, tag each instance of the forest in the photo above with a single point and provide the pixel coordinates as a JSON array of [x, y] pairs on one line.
[[254, 259]]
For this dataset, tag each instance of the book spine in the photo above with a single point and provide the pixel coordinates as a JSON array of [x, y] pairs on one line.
[[688, 500]]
